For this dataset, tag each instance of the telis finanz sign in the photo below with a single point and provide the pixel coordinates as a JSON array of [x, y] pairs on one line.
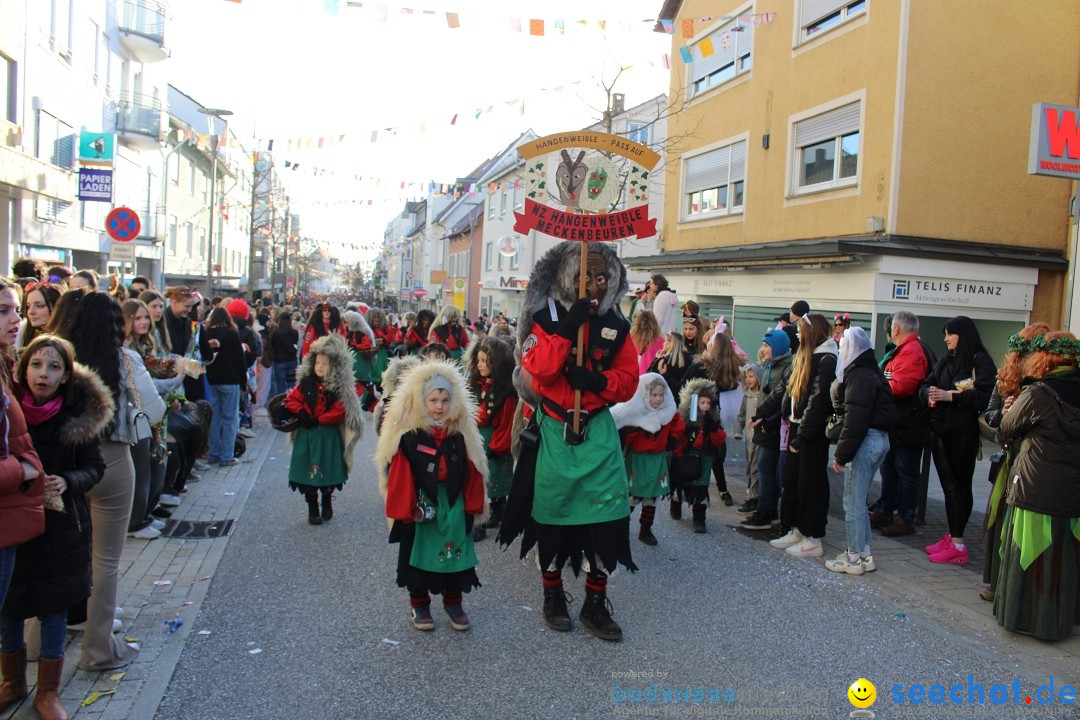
[[1055, 141]]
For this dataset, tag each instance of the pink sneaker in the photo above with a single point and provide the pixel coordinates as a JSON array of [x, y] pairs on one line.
[[951, 556], [944, 542]]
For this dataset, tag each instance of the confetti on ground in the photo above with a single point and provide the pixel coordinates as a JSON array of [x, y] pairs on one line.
[[899, 614], [129, 639], [388, 641], [526, 607], [117, 676], [174, 624], [185, 603], [229, 494], [251, 644], [163, 582], [205, 577], [254, 651], [204, 632], [95, 696]]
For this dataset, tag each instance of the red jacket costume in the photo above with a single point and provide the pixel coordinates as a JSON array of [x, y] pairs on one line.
[[642, 441], [414, 340], [453, 337], [502, 418], [360, 342], [22, 516], [703, 441], [401, 490], [327, 412], [310, 337], [389, 336]]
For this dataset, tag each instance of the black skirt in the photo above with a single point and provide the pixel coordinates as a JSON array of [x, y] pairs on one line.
[[417, 580]]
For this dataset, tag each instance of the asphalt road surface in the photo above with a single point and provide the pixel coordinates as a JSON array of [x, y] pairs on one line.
[[764, 634]]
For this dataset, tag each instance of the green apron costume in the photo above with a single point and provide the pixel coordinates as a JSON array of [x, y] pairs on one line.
[[648, 474], [580, 484], [318, 458], [441, 545], [361, 367], [382, 361], [500, 467]]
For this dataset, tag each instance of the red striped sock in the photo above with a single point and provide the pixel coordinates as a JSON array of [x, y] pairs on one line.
[[596, 582], [451, 597], [648, 512], [552, 578], [419, 599]]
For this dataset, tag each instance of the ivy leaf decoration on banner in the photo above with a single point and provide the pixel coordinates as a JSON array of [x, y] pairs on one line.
[[644, 174]]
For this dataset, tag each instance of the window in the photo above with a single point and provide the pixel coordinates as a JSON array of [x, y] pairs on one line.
[[172, 234], [56, 145], [202, 242], [8, 83], [637, 132], [714, 182], [820, 15], [60, 27], [93, 215], [502, 205], [491, 204], [729, 49], [519, 195], [827, 149], [189, 231], [487, 255], [205, 188], [515, 260], [174, 169], [191, 178]]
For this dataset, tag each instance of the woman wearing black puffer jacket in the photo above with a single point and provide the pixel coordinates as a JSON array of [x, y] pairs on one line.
[[863, 397], [67, 407], [804, 502]]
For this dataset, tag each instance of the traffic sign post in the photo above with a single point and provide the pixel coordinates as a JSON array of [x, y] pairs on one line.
[[123, 224]]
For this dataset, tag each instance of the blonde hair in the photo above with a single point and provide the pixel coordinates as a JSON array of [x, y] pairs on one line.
[[645, 330], [814, 329]]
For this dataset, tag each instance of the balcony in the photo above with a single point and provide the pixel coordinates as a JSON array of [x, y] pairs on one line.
[[138, 121], [141, 25]]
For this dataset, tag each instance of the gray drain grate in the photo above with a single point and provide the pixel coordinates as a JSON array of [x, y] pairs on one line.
[[197, 530]]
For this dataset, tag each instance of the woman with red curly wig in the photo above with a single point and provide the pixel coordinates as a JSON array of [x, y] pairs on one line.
[[1037, 584]]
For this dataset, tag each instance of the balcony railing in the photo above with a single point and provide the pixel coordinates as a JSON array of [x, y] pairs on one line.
[[142, 28], [138, 120]]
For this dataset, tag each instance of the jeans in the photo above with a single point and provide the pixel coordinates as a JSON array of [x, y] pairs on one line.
[[284, 377], [53, 632], [7, 566], [768, 480], [857, 478], [900, 475], [225, 400]]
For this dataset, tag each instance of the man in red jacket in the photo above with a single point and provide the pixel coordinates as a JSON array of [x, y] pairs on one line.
[[905, 366]]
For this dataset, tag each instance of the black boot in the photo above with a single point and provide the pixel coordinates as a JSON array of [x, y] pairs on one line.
[[496, 507], [726, 497], [313, 516], [646, 536], [596, 617], [699, 518], [556, 614], [676, 509], [327, 504]]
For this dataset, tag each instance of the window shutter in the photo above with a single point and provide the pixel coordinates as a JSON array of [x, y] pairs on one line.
[[828, 125], [738, 161], [814, 10], [707, 171], [721, 56]]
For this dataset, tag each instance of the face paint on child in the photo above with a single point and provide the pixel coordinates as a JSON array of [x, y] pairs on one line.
[[656, 396], [437, 404], [322, 366]]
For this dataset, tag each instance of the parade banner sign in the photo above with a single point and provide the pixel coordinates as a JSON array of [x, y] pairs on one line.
[[577, 171]]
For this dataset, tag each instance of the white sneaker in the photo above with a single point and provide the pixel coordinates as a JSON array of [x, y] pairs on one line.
[[157, 524], [117, 611], [246, 432], [868, 564], [117, 626], [786, 541], [147, 533], [169, 500], [807, 547], [843, 564]]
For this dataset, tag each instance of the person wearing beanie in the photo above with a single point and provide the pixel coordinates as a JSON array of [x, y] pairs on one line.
[[241, 314], [775, 356], [799, 309]]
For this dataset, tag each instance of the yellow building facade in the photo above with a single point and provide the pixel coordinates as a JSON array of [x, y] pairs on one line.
[[866, 156]]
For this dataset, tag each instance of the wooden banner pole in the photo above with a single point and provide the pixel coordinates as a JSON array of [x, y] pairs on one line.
[[580, 334]]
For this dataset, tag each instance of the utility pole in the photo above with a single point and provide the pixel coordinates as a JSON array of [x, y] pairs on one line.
[[251, 242], [285, 254]]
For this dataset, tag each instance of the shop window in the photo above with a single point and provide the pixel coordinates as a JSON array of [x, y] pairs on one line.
[[714, 182], [817, 16], [827, 149], [720, 56]]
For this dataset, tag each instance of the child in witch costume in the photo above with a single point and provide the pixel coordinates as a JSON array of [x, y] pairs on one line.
[[650, 427], [417, 336], [489, 367], [385, 336], [692, 461], [325, 402], [570, 496], [432, 468], [361, 341], [448, 330]]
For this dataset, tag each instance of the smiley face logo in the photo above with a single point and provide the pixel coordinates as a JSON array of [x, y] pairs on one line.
[[862, 693]]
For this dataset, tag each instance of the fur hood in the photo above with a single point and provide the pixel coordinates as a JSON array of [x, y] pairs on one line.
[[637, 412], [340, 381], [698, 386], [390, 377], [444, 316], [407, 413], [355, 322], [89, 420], [379, 313]]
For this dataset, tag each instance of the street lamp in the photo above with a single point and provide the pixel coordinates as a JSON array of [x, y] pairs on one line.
[[210, 114]]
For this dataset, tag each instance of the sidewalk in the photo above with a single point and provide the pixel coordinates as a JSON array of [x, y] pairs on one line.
[[927, 592], [160, 580]]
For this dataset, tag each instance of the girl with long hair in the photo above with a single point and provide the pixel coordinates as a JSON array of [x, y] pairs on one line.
[[645, 332], [155, 305], [385, 336], [325, 319], [694, 332], [226, 373], [39, 299], [417, 337], [283, 342], [807, 403], [673, 361], [957, 390], [489, 369], [723, 367]]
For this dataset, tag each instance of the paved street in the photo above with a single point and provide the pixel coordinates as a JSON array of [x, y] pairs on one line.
[[722, 610]]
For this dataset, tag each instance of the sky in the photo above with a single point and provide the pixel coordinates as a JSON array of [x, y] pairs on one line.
[[294, 69]]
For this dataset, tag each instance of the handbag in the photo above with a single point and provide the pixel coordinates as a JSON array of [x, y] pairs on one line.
[[685, 468], [834, 427], [138, 422]]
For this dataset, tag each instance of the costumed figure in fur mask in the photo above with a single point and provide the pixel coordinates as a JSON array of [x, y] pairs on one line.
[[650, 427], [432, 467], [692, 462], [449, 331], [325, 402], [489, 367], [361, 341], [417, 336], [386, 335], [570, 496], [394, 372]]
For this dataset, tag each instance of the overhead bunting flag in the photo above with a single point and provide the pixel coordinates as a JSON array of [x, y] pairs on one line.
[[668, 25], [706, 47], [536, 27], [686, 56], [688, 28], [452, 20]]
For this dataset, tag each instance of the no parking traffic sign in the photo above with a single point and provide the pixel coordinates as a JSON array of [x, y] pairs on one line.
[[123, 224]]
